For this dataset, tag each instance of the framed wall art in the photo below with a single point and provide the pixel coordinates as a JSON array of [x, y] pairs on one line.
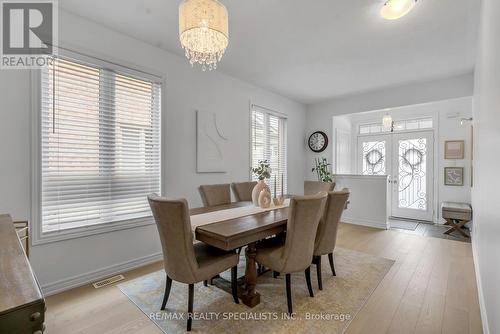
[[454, 149], [453, 176]]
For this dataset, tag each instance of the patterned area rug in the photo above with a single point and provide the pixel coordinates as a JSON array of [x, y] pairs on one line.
[[330, 311]]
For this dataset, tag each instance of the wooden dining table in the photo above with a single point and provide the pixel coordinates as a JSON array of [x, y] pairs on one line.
[[235, 233]]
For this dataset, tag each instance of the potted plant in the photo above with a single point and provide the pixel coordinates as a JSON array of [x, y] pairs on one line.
[[322, 169], [262, 171]]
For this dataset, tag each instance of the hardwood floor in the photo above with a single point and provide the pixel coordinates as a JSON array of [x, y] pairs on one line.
[[430, 289]]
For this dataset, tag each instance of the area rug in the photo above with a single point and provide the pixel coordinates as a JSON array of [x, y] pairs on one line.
[[330, 311]]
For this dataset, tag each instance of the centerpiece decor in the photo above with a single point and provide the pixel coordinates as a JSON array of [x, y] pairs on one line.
[[322, 169], [278, 200], [261, 172]]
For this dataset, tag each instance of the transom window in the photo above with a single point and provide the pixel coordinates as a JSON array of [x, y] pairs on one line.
[[404, 125], [269, 143], [100, 145]]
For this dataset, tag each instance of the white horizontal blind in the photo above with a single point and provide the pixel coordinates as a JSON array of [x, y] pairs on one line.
[[100, 145], [269, 143]]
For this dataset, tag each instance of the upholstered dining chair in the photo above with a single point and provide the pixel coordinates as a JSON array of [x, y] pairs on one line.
[[184, 261], [314, 187], [243, 191], [295, 252], [215, 194], [326, 236]]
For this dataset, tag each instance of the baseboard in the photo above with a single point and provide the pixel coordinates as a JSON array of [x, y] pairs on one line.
[[79, 280], [482, 305], [365, 222]]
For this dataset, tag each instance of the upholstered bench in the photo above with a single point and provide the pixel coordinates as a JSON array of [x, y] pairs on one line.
[[456, 215]]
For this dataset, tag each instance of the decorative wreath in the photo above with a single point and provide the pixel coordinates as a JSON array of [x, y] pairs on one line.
[[373, 158], [411, 153]]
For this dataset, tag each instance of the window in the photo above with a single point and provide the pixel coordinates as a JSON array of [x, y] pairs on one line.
[[406, 125], [100, 145], [269, 143]]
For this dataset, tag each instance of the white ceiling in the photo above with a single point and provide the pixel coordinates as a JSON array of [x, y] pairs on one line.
[[316, 49]]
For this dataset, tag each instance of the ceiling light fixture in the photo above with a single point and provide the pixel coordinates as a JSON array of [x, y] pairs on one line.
[[203, 31], [395, 9]]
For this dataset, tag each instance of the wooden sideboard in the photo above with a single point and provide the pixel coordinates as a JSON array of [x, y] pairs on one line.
[[22, 307]]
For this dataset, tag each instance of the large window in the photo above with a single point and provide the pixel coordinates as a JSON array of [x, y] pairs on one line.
[[100, 145], [269, 143]]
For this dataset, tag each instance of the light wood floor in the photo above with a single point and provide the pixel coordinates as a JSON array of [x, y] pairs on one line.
[[430, 289]]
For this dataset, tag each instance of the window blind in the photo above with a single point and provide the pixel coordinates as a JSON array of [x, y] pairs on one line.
[[100, 145], [269, 143]]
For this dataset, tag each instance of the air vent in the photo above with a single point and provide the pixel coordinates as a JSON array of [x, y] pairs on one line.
[[108, 281]]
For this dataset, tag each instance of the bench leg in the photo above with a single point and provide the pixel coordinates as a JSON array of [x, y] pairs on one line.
[[457, 225]]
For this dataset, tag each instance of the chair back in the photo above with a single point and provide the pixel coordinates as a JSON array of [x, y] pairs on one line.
[[174, 226], [215, 194], [329, 223], [314, 187], [303, 219], [243, 191]]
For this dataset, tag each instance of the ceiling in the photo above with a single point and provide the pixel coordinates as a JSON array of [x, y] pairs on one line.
[[311, 51]]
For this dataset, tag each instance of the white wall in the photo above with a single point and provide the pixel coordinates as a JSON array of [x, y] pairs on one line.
[[485, 194], [63, 263], [319, 116], [368, 200], [446, 117], [341, 145]]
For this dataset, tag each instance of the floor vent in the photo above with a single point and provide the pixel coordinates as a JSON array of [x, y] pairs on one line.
[[108, 281]]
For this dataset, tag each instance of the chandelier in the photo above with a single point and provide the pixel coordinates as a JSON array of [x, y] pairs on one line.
[[203, 31]]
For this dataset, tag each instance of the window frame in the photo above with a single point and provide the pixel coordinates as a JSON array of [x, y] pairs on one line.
[[39, 237], [285, 136]]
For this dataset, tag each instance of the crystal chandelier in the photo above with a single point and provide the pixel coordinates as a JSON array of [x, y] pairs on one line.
[[203, 31]]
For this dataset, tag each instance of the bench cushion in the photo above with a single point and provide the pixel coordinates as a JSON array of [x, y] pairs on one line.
[[462, 211]]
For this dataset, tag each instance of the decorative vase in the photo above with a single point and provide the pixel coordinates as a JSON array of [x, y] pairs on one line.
[[265, 198], [261, 185]]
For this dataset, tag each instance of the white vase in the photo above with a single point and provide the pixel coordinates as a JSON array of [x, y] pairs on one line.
[[265, 198], [261, 185]]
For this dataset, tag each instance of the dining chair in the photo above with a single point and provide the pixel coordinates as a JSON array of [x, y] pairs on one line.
[[215, 194], [243, 190], [326, 237], [184, 261], [314, 187], [294, 253]]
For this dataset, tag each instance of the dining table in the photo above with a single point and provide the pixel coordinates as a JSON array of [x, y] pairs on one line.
[[233, 234]]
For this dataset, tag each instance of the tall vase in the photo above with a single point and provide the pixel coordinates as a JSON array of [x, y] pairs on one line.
[[261, 185]]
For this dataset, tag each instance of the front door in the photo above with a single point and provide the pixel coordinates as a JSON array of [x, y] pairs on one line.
[[412, 175], [408, 160]]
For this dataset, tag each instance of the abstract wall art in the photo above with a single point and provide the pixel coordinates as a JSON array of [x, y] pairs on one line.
[[211, 143]]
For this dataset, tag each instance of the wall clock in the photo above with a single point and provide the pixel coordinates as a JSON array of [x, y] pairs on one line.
[[318, 141]]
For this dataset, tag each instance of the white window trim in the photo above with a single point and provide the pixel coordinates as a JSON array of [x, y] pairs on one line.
[[285, 135], [36, 234]]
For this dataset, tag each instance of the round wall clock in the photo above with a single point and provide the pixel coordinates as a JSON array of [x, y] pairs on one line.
[[318, 141]]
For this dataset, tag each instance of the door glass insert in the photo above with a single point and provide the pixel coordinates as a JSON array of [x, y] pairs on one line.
[[412, 178], [374, 158]]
